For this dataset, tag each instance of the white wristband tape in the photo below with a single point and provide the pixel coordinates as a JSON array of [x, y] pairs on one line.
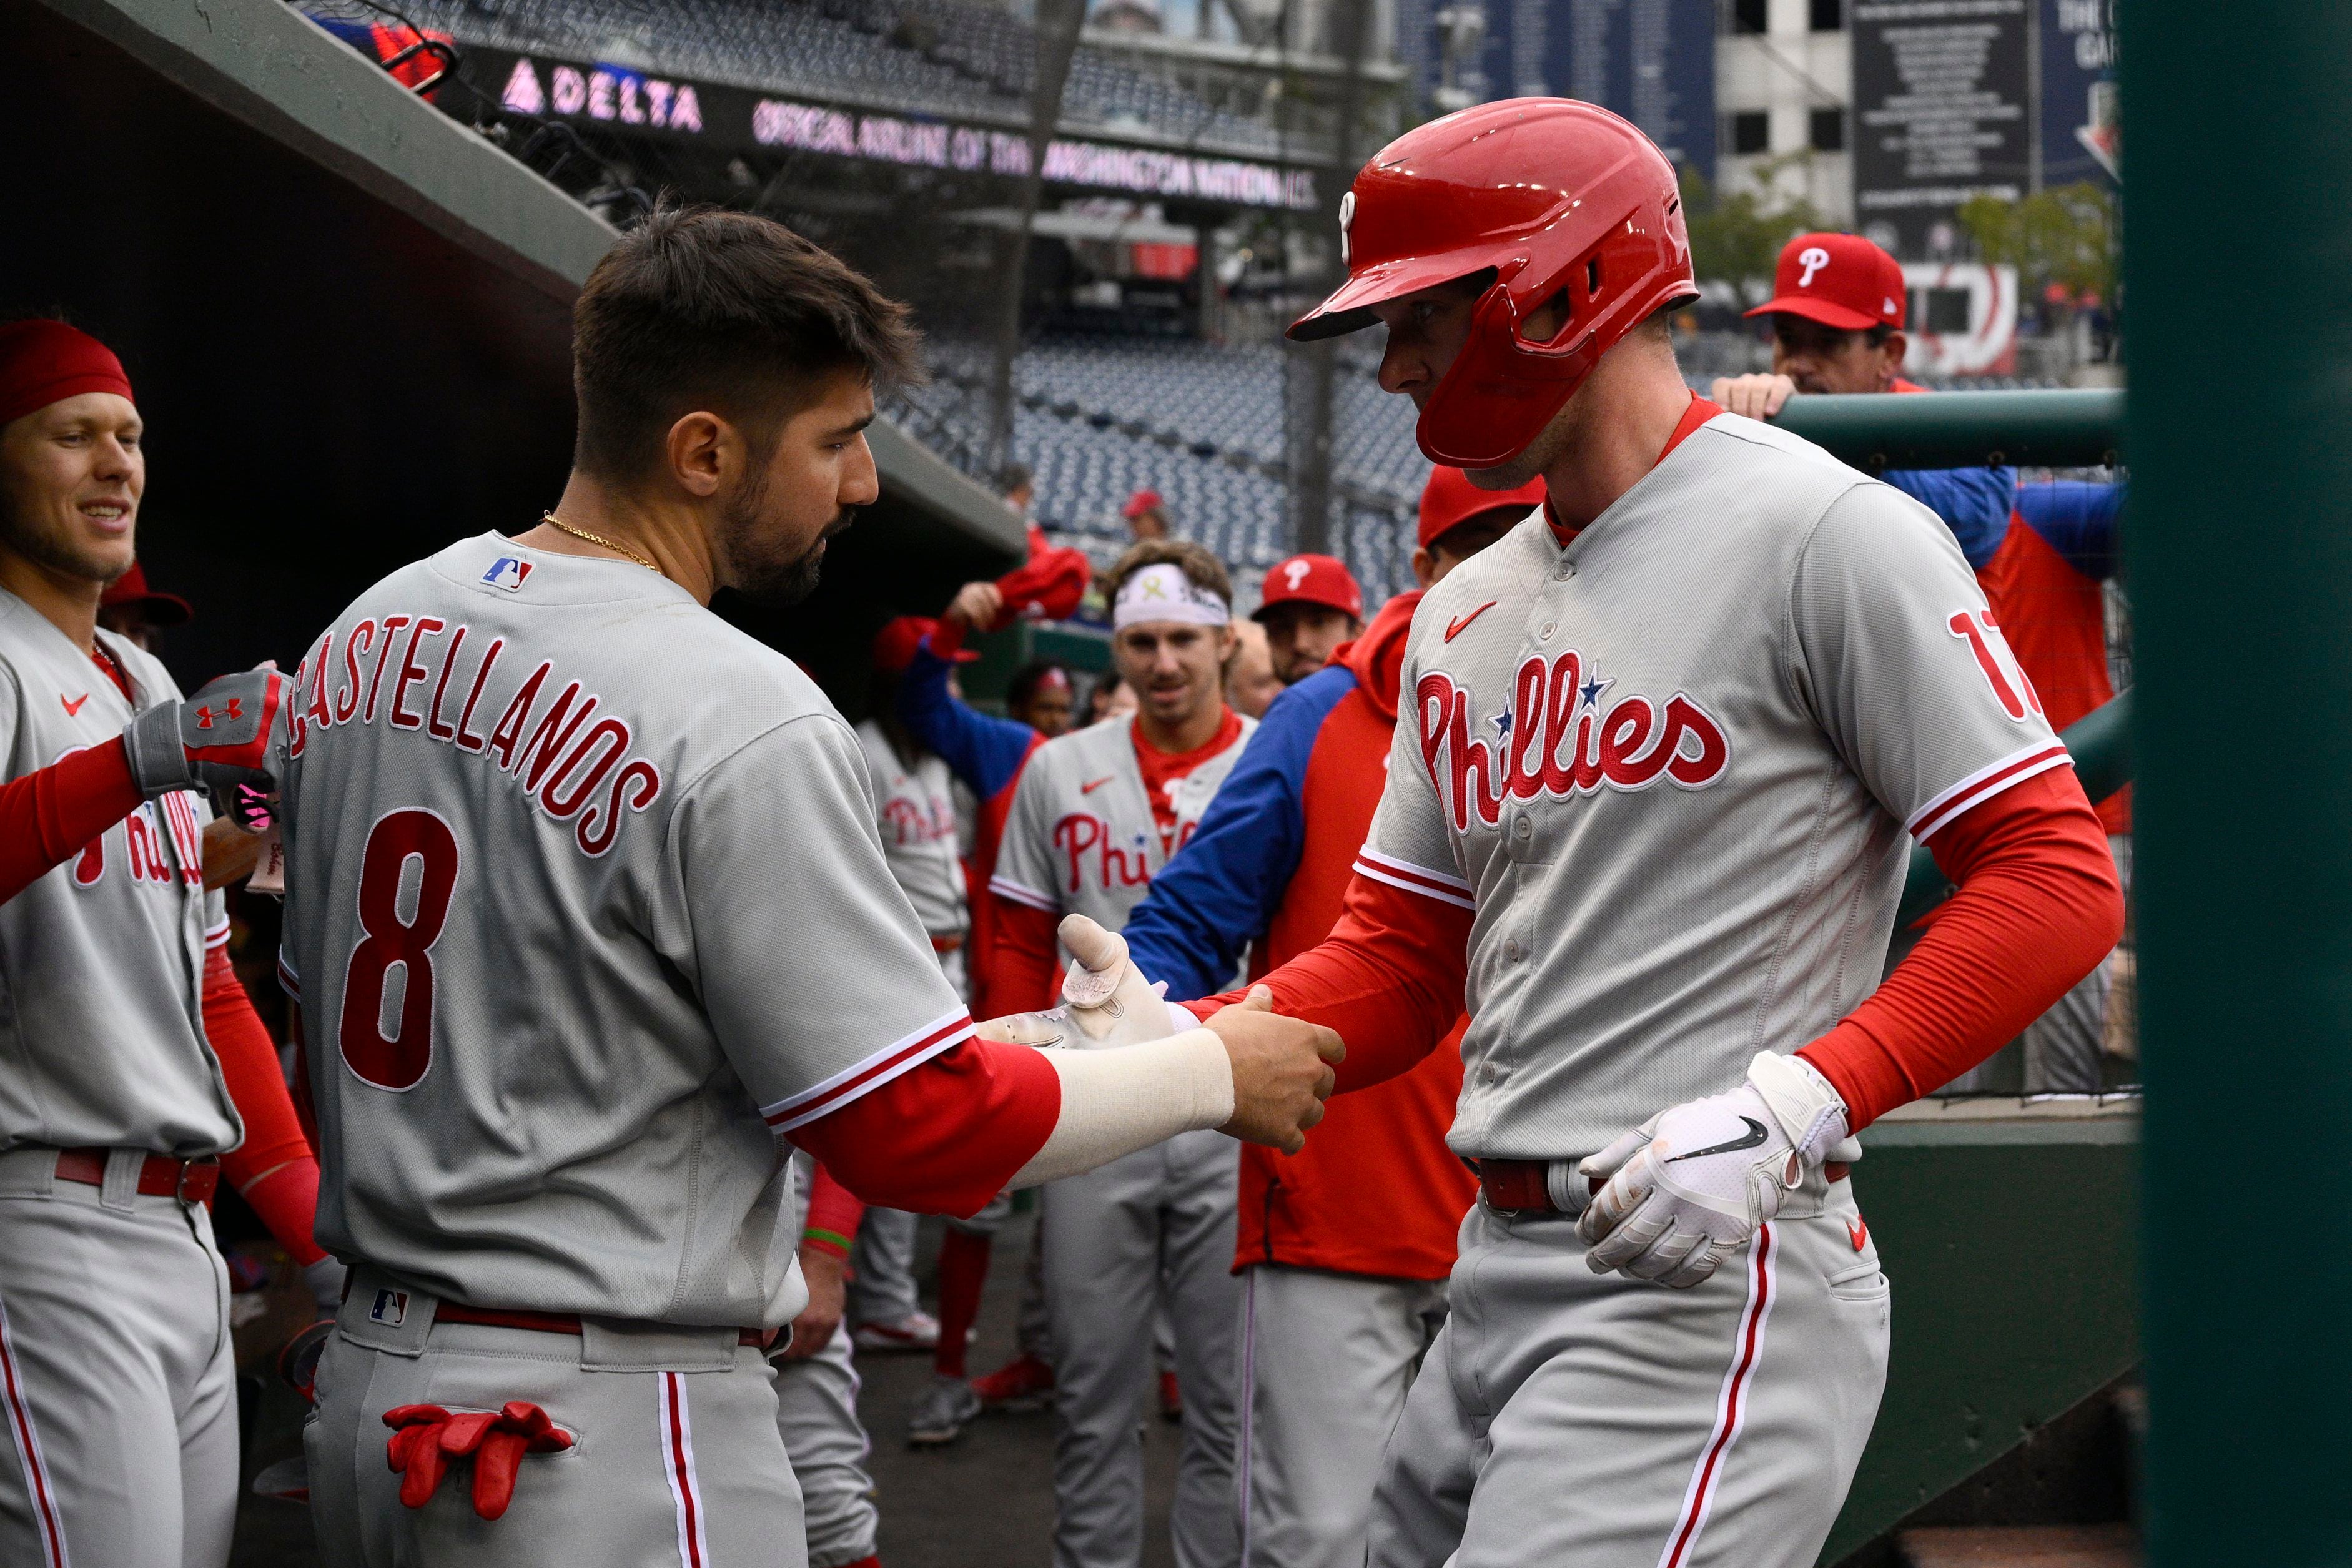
[[1130, 1097]]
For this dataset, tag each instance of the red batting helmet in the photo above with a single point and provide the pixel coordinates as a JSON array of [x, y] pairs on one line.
[[1558, 197]]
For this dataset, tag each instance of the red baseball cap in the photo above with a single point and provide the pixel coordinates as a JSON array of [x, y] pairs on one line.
[[894, 645], [1047, 586], [1450, 500], [1311, 580], [43, 361], [160, 609], [1142, 501], [1840, 280]]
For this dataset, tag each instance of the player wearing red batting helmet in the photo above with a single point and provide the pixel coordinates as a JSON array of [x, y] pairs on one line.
[[1658, 751], [1311, 604]]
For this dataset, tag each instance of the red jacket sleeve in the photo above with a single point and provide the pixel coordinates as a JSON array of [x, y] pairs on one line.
[[1024, 947], [46, 817], [2038, 906], [946, 1137], [834, 1214], [274, 1169], [1388, 978]]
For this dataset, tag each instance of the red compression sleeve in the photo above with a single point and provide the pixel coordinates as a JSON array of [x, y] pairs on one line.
[[946, 1137], [963, 1271], [1388, 978], [274, 1169], [1025, 947], [2038, 906], [833, 1217], [47, 816]]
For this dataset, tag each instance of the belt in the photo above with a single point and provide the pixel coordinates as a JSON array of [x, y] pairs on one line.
[[1525, 1186], [1517, 1185], [947, 943], [190, 1181], [546, 1323]]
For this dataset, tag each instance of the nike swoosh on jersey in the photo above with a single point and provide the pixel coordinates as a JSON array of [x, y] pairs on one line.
[[1454, 627], [1090, 789], [73, 705], [1755, 1136]]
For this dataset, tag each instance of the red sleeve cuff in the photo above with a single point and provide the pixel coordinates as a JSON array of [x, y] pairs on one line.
[[946, 1137]]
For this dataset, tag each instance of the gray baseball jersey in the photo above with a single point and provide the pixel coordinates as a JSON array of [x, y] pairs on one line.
[[916, 812], [1081, 838], [586, 907], [103, 960], [1672, 766]]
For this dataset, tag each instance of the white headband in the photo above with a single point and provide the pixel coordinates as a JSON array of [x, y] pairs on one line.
[[1162, 592]]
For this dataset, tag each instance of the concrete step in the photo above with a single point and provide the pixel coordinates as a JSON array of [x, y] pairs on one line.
[[2019, 1546]]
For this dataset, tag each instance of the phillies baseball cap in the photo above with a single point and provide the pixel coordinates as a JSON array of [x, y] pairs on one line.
[[1142, 501], [160, 609], [1046, 587], [1450, 500], [1311, 580], [895, 644], [1840, 280]]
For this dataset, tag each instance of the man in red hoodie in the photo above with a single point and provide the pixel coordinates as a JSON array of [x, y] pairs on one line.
[[1343, 1249]]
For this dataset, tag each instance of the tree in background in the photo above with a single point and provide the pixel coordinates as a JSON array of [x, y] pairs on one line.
[[1735, 237], [2064, 235]]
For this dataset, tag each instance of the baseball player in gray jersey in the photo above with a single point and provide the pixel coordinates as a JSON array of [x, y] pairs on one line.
[[586, 909], [1096, 813], [132, 1070], [1658, 752]]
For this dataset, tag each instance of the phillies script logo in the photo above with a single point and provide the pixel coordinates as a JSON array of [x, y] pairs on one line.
[[1556, 739], [908, 824], [1084, 842]]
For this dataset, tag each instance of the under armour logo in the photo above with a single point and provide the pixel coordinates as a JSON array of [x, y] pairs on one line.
[[1812, 258], [1347, 216], [205, 714], [1297, 572]]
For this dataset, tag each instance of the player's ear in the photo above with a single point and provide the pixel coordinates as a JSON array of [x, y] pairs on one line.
[[701, 448], [1895, 346]]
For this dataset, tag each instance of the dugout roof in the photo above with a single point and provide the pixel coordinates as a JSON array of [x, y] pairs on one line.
[[348, 318]]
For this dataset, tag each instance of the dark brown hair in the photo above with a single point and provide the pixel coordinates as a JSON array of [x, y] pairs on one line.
[[1203, 569], [701, 309]]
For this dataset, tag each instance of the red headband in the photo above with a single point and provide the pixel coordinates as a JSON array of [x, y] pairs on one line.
[[42, 362]]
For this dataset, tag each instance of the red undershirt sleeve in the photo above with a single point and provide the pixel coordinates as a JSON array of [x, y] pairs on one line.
[[1388, 978], [834, 1214], [945, 1137], [2038, 906], [1025, 947], [46, 817], [273, 1169]]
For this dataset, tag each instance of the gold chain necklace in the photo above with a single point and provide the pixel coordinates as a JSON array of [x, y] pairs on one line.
[[616, 548]]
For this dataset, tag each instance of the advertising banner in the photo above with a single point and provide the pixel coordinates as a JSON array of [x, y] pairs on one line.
[[1941, 113]]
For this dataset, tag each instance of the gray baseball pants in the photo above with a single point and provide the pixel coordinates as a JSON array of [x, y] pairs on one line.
[[1325, 1359], [1564, 1416], [817, 1413], [882, 1282], [676, 1464], [118, 1381], [1158, 1225]]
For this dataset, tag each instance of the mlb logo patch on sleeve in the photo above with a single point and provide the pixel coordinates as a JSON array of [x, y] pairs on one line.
[[391, 1307], [508, 574]]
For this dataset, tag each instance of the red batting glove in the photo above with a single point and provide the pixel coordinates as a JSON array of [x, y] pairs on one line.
[[426, 1437]]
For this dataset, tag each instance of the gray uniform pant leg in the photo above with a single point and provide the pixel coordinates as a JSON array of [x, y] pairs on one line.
[[1033, 1328], [817, 1413], [118, 1381], [1326, 1360], [882, 1290], [1114, 1239], [1566, 1416], [671, 1470]]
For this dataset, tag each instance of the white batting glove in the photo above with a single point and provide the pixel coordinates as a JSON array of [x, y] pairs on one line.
[[1106, 1000], [1687, 1189]]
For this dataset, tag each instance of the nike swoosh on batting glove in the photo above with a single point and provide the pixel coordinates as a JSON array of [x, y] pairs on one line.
[[214, 741], [1688, 1187]]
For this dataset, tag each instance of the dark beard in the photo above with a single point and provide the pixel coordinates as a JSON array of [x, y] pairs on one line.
[[51, 553], [778, 583]]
